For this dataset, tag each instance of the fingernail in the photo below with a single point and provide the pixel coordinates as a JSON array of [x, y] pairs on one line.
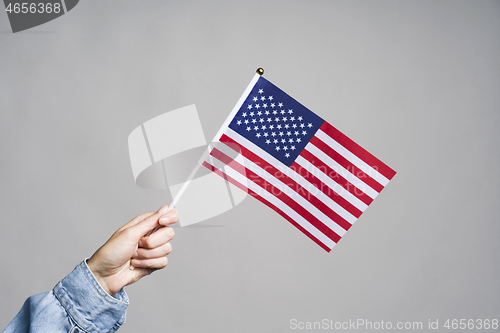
[[140, 243], [136, 262], [168, 218], [164, 219], [163, 210], [135, 255], [131, 267]]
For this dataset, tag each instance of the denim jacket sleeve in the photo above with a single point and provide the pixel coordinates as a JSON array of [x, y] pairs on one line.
[[76, 304]]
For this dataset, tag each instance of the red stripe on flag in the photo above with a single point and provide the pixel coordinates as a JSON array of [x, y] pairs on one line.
[[358, 173], [283, 197], [267, 203], [357, 150], [348, 186], [300, 189]]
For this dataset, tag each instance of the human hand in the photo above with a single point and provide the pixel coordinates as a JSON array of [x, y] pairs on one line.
[[112, 265]]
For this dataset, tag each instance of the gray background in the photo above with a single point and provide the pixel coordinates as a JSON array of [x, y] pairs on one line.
[[414, 82]]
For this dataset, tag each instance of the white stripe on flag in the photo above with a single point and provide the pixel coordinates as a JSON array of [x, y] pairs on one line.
[[312, 169], [341, 170], [362, 165], [273, 200]]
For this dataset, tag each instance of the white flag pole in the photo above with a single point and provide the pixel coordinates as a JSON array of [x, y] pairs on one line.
[[183, 188]]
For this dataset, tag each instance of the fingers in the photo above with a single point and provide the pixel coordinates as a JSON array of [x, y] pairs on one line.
[[169, 218], [152, 256], [142, 227], [160, 251], [155, 263], [160, 237], [166, 219], [136, 220]]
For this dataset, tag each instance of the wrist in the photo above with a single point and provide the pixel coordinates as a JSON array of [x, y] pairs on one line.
[[98, 277]]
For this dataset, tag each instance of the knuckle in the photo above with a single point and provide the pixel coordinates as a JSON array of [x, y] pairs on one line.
[[176, 215], [146, 242], [168, 248], [170, 232], [127, 233], [164, 262]]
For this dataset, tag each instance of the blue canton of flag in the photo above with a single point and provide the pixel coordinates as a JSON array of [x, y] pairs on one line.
[[275, 122]]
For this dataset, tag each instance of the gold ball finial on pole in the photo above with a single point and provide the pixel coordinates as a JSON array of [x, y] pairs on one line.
[[260, 71]]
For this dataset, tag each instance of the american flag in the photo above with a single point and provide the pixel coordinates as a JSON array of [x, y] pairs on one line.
[[296, 163]]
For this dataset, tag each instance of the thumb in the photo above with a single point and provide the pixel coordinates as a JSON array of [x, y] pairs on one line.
[[149, 223]]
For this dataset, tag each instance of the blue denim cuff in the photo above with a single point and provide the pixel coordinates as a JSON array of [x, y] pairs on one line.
[[88, 305]]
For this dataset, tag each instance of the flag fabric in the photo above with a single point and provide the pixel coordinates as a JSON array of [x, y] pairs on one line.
[[296, 163]]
